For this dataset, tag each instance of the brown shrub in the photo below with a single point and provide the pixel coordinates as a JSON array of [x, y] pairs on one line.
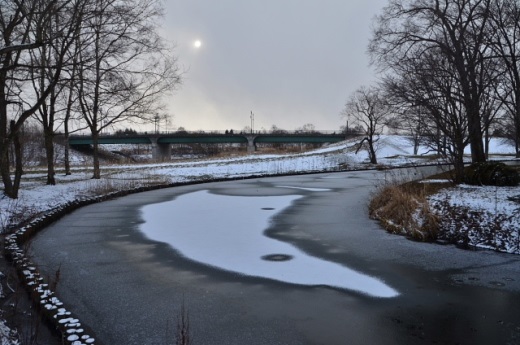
[[404, 209]]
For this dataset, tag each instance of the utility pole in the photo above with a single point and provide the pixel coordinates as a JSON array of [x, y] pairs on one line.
[[156, 123], [252, 117]]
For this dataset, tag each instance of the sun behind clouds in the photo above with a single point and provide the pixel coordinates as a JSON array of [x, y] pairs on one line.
[[197, 44]]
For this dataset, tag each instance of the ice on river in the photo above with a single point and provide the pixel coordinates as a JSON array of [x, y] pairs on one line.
[[227, 232]]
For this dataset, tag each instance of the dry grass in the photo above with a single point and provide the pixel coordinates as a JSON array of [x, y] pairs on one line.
[[107, 185], [15, 213], [403, 209]]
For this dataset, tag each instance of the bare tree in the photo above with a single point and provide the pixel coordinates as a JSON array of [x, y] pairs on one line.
[[307, 128], [504, 39], [430, 85], [410, 121], [455, 30], [24, 28], [45, 58], [368, 109], [124, 66]]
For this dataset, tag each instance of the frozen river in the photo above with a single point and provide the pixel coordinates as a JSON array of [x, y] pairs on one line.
[[286, 260]]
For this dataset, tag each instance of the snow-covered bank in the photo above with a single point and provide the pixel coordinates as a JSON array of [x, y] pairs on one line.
[[480, 216]]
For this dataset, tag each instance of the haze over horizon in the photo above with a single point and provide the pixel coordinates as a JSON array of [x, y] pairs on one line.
[[289, 62]]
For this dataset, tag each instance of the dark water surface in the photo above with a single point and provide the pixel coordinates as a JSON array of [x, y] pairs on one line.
[[129, 289]]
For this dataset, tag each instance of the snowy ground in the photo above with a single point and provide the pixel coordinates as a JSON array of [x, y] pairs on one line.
[[480, 216], [493, 206]]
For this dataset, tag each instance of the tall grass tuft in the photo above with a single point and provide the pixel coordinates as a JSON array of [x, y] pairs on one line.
[[108, 185]]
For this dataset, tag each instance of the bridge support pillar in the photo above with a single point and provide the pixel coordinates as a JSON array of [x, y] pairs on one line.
[[251, 146], [160, 152]]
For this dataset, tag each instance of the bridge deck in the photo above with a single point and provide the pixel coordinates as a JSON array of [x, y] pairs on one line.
[[210, 138]]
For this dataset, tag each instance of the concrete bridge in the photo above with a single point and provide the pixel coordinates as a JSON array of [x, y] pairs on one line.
[[161, 142]]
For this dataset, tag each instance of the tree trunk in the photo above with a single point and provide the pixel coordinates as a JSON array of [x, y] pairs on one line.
[[47, 116], [516, 122], [517, 142], [475, 135], [438, 139], [458, 165], [18, 156], [95, 140], [67, 149], [49, 152], [458, 160], [416, 146], [5, 166], [5, 169], [486, 142], [517, 127], [372, 151], [66, 145]]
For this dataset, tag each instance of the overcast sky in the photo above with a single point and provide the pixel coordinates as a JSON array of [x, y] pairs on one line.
[[290, 62]]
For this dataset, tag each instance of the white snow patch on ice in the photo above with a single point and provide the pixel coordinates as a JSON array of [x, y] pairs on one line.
[[306, 189], [229, 234]]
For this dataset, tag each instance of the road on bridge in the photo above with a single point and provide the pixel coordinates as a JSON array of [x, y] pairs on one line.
[[129, 289]]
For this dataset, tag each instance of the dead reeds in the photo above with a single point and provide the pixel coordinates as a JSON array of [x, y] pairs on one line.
[[403, 209]]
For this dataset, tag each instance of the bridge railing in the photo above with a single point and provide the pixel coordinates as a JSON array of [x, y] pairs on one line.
[[223, 132]]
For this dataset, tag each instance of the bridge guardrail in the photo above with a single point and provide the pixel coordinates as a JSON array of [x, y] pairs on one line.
[[219, 132]]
